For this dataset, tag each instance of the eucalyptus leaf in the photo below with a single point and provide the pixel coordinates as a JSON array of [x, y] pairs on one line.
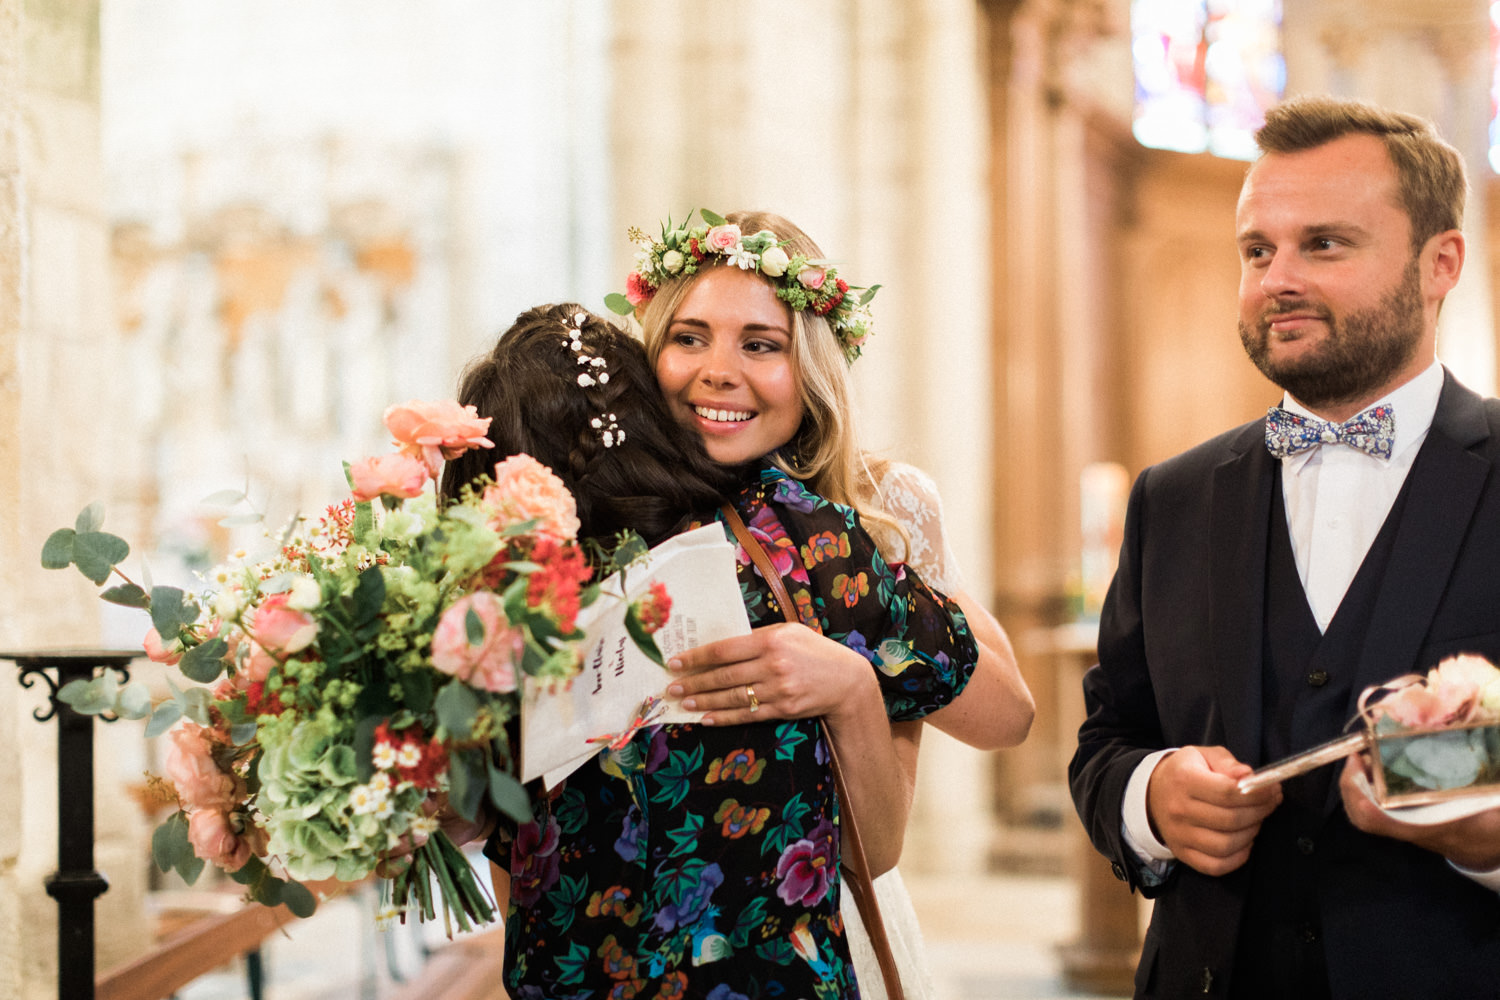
[[165, 716], [241, 520], [712, 218], [197, 704], [128, 595], [57, 551], [91, 518], [473, 627], [869, 294], [133, 701], [90, 697], [170, 611], [618, 303], [96, 554], [205, 661]]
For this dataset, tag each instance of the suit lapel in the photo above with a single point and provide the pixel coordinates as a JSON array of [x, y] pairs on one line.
[[1443, 489], [1239, 519]]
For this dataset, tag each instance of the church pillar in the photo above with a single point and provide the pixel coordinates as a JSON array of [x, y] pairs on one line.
[[1348, 47], [59, 450]]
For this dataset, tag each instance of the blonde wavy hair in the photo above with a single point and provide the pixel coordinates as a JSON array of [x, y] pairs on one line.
[[824, 453]]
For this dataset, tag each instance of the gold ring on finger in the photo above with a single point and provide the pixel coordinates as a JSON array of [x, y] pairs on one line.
[[754, 701]]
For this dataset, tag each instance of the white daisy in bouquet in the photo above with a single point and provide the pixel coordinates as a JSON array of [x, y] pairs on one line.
[[359, 681]]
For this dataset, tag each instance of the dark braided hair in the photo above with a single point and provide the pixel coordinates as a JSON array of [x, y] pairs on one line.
[[650, 482]]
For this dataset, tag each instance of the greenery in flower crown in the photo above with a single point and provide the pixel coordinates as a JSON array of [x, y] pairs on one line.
[[359, 681], [805, 284]]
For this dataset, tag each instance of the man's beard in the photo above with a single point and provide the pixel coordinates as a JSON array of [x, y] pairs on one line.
[[1358, 357]]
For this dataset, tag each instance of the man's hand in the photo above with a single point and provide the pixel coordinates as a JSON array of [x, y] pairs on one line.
[[1472, 842], [1196, 809]]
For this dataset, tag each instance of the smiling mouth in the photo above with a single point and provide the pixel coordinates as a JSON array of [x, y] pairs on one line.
[[722, 416]]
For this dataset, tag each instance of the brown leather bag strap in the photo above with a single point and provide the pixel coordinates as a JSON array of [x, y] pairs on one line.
[[852, 851]]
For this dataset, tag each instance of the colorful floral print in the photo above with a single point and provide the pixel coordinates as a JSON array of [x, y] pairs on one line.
[[702, 862]]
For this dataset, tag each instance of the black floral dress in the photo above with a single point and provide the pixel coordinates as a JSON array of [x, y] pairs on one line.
[[702, 861]]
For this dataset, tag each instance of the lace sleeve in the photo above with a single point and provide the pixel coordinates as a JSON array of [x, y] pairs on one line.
[[911, 497]]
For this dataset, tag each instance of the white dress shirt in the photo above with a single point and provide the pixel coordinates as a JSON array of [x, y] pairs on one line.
[[1337, 498]]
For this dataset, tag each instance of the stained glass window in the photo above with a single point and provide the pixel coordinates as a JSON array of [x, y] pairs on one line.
[[1205, 72]]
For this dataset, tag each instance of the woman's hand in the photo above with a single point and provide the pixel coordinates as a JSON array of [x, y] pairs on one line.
[[791, 671]]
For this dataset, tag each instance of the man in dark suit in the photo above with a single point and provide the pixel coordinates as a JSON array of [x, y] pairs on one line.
[[1271, 574]]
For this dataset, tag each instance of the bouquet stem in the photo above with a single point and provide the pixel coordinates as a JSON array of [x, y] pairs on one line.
[[464, 901]]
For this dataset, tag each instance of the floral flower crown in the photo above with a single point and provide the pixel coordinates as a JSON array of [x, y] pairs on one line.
[[801, 283]]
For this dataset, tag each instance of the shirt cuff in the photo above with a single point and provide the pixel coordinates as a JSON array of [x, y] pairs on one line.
[[1136, 822], [1490, 879]]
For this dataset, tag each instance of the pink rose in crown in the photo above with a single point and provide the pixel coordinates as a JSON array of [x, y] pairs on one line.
[[437, 431], [190, 766], [397, 474], [812, 277], [212, 834], [721, 238], [527, 489], [486, 661], [158, 651]]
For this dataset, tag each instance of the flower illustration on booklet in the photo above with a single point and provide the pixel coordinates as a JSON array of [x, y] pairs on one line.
[[1431, 737], [343, 693]]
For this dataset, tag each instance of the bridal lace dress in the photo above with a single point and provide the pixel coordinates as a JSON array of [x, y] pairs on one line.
[[911, 497]]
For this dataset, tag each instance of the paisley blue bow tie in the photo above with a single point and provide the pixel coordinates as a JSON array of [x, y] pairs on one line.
[[1372, 432]]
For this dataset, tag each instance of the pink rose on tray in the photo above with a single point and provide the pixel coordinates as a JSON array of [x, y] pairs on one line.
[[281, 629], [397, 474], [722, 238], [481, 651], [1459, 690], [437, 431], [527, 489]]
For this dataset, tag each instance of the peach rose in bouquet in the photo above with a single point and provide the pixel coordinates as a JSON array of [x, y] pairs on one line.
[[437, 431], [526, 489]]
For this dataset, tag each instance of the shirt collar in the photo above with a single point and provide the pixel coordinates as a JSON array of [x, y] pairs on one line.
[[1413, 404]]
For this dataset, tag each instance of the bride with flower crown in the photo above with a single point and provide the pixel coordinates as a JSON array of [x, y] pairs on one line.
[[751, 334]]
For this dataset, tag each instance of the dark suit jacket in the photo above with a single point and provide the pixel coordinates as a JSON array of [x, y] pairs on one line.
[[1180, 663]]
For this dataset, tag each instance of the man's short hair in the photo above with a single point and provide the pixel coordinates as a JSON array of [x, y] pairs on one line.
[[1430, 173]]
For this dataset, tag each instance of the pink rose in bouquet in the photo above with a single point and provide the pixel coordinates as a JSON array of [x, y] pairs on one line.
[[281, 629], [437, 431], [160, 652], [525, 488], [190, 765], [486, 661], [397, 474], [214, 839]]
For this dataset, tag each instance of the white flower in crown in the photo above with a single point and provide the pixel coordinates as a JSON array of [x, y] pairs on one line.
[[671, 262], [742, 258], [773, 262]]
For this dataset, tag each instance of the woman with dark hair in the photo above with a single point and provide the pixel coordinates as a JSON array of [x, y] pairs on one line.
[[702, 860]]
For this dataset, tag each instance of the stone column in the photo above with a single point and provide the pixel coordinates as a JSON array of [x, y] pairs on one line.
[[1348, 47], [59, 450]]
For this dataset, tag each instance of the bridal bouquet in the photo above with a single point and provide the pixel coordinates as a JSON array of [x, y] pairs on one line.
[[358, 683], [1438, 734]]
